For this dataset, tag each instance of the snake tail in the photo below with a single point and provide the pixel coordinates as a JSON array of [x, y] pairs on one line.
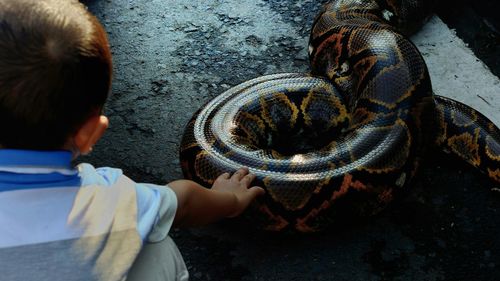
[[470, 135]]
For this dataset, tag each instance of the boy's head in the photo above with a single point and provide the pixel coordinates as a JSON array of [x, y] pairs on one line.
[[55, 74]]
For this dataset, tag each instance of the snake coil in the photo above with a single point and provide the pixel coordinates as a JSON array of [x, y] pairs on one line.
[[347, 138]]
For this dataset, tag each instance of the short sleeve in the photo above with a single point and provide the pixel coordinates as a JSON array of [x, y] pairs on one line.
[[156, 208], [156, 204]]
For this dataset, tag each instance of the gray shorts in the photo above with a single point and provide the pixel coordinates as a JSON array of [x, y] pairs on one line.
[[159, 261]]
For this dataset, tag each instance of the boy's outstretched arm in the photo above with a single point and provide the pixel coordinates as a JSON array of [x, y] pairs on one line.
[[228, 197]]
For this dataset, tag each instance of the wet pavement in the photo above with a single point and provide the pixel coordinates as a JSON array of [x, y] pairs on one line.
[[172, 56]]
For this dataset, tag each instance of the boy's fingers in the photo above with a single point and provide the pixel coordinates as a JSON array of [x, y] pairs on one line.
[[240, 173], [246, 180]]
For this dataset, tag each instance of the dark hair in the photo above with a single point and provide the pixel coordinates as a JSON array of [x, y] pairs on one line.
[[55, 71]]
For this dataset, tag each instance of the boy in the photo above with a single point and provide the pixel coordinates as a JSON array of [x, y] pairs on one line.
[[60, 222]]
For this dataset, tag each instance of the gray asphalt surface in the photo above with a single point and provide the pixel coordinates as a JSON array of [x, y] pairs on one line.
[[172, 56]]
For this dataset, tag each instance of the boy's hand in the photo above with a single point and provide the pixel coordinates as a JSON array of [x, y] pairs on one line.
[[238, 184], [228, 197]]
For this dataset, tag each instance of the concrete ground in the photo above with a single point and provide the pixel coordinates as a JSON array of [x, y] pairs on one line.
[[170, 57]]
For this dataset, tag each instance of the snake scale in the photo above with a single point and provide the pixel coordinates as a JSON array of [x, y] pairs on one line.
[[346, 138]]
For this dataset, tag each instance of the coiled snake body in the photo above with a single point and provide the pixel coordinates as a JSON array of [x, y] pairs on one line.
[[345, 139]]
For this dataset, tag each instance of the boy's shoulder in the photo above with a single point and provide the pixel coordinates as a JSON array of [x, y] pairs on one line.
[[102, 176]]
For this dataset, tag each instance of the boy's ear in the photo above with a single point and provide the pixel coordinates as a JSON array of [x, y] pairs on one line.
[[90, 132]]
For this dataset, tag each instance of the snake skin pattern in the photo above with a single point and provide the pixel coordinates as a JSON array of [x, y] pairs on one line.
[[344, 140]]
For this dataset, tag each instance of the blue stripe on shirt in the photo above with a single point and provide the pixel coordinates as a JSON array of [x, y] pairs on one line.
[[14, 160], [15, 181], [60, 159]]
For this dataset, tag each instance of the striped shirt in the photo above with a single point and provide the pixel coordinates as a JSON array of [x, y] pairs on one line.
[[59, 222]]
